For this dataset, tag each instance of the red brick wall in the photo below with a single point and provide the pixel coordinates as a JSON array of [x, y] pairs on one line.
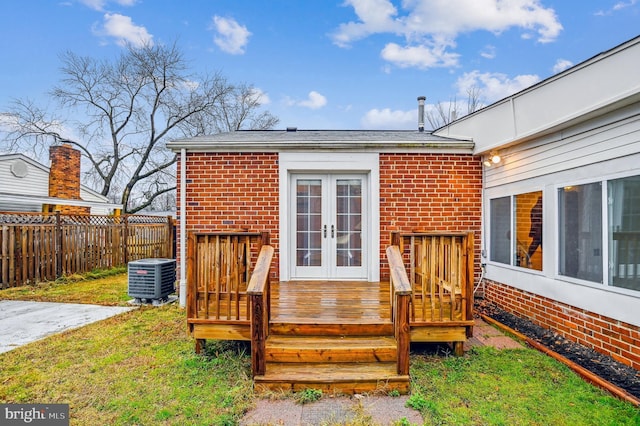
[[233, 191], [418, 192], [429, 192], [616, 339], [64, 177]]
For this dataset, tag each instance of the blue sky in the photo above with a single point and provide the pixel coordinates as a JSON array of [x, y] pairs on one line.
[[325, 64]]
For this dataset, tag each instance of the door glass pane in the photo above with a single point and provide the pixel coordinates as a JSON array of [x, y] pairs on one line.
[[348, 222], [309, 222], [624, 232]]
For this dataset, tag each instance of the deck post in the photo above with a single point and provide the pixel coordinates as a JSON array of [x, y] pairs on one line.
[[258, 291], [401, 293], [403, 332], [192, 286], [258, 335], [468, 294]]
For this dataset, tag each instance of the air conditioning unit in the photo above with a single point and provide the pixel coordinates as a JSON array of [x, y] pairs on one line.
[[151, 279]]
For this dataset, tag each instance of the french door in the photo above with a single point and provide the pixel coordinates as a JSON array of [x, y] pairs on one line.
[[328, 222]]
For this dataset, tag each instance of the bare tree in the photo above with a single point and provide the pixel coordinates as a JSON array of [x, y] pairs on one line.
[[129, 108], [443, 113]]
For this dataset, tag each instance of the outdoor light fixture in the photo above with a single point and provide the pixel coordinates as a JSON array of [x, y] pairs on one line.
[[492, 159]]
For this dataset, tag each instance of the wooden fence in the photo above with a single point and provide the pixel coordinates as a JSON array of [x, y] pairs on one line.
[[40, 247]]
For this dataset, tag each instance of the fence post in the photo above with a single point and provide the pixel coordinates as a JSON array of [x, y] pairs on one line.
[[170, 240], [58, 245], [125, 240]]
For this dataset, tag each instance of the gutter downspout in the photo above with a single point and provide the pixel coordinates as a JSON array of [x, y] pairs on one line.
[[183, 227]]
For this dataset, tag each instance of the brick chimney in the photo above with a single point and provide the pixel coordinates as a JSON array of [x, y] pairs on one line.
[[64, 177]]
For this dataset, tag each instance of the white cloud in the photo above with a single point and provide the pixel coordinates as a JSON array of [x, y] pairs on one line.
[[616, 7], [430, 27], [261, 96], [623, 5], [314, 101], [387, 119], [493, 86], [377, 16], [100, 4], [419, 56], [561, 65], [231, 37], [123, 29], [488, 52]]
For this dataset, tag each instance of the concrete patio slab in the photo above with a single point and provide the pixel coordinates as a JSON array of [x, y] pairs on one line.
[[380, 410], [23, 322]]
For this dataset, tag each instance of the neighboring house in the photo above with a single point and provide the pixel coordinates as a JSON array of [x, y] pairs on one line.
[[28, 186], [561, 215]]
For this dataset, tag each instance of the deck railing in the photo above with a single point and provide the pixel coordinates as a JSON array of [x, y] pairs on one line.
[[400, 296], [259, 292], [219, 267], [441, 275]]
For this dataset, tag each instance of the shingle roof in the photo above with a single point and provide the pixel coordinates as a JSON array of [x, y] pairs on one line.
[[284, 140]]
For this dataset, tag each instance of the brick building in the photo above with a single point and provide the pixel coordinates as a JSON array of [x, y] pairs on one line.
[[374, 183], [554, 166]]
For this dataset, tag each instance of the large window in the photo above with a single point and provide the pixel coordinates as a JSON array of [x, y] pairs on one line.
[[624, 232], [580, 231], [521, 216], [587, 232]]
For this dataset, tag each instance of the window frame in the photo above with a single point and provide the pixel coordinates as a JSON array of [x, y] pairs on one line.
[[513, 231], [603, 180]]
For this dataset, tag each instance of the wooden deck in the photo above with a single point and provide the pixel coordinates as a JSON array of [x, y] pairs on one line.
[[343, 336]]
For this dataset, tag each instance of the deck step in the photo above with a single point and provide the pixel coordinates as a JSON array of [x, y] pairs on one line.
[[331, 329], [319, 349], [347, 378]]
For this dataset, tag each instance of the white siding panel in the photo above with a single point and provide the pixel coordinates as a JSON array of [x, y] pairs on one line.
[[592, 88], [35, 183], [542, 157], [99, 210], [582, 90], [92, 196], [496, 124]]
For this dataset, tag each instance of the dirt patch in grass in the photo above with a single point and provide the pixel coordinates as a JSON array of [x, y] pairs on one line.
[[606, 367]]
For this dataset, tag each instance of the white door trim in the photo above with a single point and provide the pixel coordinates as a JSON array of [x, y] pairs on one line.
[[327, 162]]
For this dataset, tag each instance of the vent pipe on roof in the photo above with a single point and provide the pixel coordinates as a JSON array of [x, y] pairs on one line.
[[421, 100]]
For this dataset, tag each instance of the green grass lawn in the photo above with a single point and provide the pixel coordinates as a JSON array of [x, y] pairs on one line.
[[139, 368]]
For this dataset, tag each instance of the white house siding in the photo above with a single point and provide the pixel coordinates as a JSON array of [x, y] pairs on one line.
[[29, 193], [576, 94], [93, 197], [35, 183], [604, 148]]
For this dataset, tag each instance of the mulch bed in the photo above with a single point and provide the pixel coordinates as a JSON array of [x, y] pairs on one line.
[[619, 374]]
